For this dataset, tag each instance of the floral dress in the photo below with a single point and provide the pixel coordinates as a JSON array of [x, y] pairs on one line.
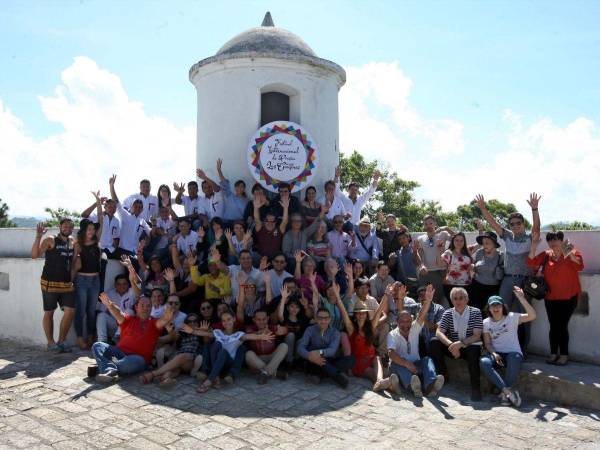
[[459, 269]]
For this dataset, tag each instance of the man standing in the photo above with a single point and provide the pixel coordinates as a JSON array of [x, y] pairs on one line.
[[353, 203], [319, 346], [56, 284], [139, 335], [194, 206], [213, 198], [518, 243], [407, 366], [389, 236], [430, 246], [149, 201]]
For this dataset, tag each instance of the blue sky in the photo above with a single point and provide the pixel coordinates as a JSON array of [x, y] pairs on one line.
[[467, 62]]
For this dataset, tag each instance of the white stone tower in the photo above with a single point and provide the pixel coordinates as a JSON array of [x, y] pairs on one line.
[[262, 75]]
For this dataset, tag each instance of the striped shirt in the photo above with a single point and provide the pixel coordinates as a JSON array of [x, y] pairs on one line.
[[446, 323]]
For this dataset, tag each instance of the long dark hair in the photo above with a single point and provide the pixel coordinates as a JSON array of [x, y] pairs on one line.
[[82, 231], [464, 251], [161, 187], [306, 192], [301, 315], [367, 329]]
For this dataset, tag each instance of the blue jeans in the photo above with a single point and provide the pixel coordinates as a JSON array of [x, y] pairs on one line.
[[512, 362], [222, 363], [111, 357], [425, 370], [513, 304], [88, 290]]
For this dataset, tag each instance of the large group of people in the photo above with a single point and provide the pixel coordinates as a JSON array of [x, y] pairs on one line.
[[280, 284]]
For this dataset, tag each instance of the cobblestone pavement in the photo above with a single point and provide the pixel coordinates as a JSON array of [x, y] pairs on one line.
[[45, 402]]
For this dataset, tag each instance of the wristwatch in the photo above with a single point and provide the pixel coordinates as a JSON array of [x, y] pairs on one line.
[[321, 352]]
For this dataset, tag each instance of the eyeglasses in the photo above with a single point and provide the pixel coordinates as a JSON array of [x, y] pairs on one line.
[[250, 286], [431, 242], [515, 224]]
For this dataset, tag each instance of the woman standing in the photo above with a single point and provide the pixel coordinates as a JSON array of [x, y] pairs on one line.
[[488, 269], [560, 265], [501, 340], [311, 209], [457, 261], [86, 266]]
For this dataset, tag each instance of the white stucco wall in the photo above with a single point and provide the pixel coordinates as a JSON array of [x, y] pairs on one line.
[[232, 89]]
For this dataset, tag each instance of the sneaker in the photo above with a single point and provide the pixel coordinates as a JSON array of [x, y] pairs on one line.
[[341, 380], [515, 398], [108, 376], [263, 377], [64, 348], [504, 399], [54, 348], [415, 386], [437, 385], [382, 385], [394, 384]]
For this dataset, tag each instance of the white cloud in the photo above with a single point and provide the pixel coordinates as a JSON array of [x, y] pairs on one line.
[[561, 163], [104, 131]]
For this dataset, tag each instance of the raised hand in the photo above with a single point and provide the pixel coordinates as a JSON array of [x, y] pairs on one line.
[[380, 216], [97, 197], [304, 301], [112, 180], [266, 277], [200, 173], [186, 328], [169, 274], [126, 261], [336, 289], [298, 256], [241, 277], [191, 259], [534, 200], [480, 201], [205, 325], [247, 237], [401, 289], [376, 175], [228, 234], [313, 279], [285, 202], [348, 270], [179, 188], [338, 172], [429, 292], [40, 229], [219, 164], [519, 292], [267, 336], [264, 264], [104, 299], [536, 236], [285, 293]]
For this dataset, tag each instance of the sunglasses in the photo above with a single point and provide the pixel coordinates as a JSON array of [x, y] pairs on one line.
[[431, 242], [515, 224]]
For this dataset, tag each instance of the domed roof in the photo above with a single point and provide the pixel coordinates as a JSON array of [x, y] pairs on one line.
[[266, 39], [269, 41]]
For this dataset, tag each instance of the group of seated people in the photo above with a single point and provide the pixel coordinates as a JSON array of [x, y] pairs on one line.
[[280, 284]]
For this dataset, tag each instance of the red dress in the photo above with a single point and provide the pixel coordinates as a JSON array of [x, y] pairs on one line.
[[363, 352]]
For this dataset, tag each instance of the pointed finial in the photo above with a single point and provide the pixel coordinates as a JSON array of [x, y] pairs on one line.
[[267, 21]]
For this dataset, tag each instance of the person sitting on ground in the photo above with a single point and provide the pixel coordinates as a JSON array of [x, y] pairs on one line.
[[501, 340], [432, 318], [194, 206], [379, 282], [293, 312], [56, 281], [123, 297], [407, 366], [561, 265], [340, 242], [227, 353], [267, 235], [311, 208], [366, 246], [188, 345], [319, 347], [249, 300], [148, 201], [459, 336], [235, 201], [266, 356], [361, 332], [139, 334], [353, 203], [332, 302], [238, 240]]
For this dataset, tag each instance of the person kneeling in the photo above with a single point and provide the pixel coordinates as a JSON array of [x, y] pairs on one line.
[[139, 335], [319, 346], [407, 366], [266, 356], [502, 342]]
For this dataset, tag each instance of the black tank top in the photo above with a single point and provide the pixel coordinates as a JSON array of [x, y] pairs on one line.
[[57, 267], [90, 258]]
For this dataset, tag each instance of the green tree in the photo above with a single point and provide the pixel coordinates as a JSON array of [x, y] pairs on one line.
[[466, 214], [5, 222], [56, 215], [571, 226]]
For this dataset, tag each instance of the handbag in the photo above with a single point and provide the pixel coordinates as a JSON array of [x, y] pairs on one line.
[[535, 286]]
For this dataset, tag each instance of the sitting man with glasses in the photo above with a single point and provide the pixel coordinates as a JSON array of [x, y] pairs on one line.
[[319, 347], [340, 242], [518, 242]]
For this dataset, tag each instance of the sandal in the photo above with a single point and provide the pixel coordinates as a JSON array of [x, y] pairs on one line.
[[167, 383], [204, 387], [147, 378], [561, 361]]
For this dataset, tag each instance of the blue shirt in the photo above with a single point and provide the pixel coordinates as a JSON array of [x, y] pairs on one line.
[[314, 340], [234, 205]]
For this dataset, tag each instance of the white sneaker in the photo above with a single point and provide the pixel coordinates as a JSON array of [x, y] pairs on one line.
[[504, 399], [438, 384], [394, 384], [107, 377], [382, 385], [515, 398], [415, 385]]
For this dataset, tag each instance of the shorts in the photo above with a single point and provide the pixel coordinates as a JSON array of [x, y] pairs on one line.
[[53, 299]]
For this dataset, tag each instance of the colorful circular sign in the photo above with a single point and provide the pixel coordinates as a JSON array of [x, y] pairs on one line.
[[282, 152]]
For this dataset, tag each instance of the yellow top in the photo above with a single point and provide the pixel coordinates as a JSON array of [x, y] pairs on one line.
[[215, 288]]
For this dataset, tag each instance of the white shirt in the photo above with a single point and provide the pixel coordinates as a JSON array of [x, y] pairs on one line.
[[194, 206], [170, 229], [430, 250], [132, 228], [229, 342], [369, 301], [255, 274], [277, 281], [355, 208], [187, 244], [504, 333], [111, 229], [336, 209], [150, 205], [124, 302], [407, 349], [214, 205]]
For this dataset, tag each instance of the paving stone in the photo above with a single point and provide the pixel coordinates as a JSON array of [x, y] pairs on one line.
[[208, 431], [227, 443]]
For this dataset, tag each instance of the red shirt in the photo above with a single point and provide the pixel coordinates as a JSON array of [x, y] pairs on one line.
[[261, 347], [137, 337], [560, 275]]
